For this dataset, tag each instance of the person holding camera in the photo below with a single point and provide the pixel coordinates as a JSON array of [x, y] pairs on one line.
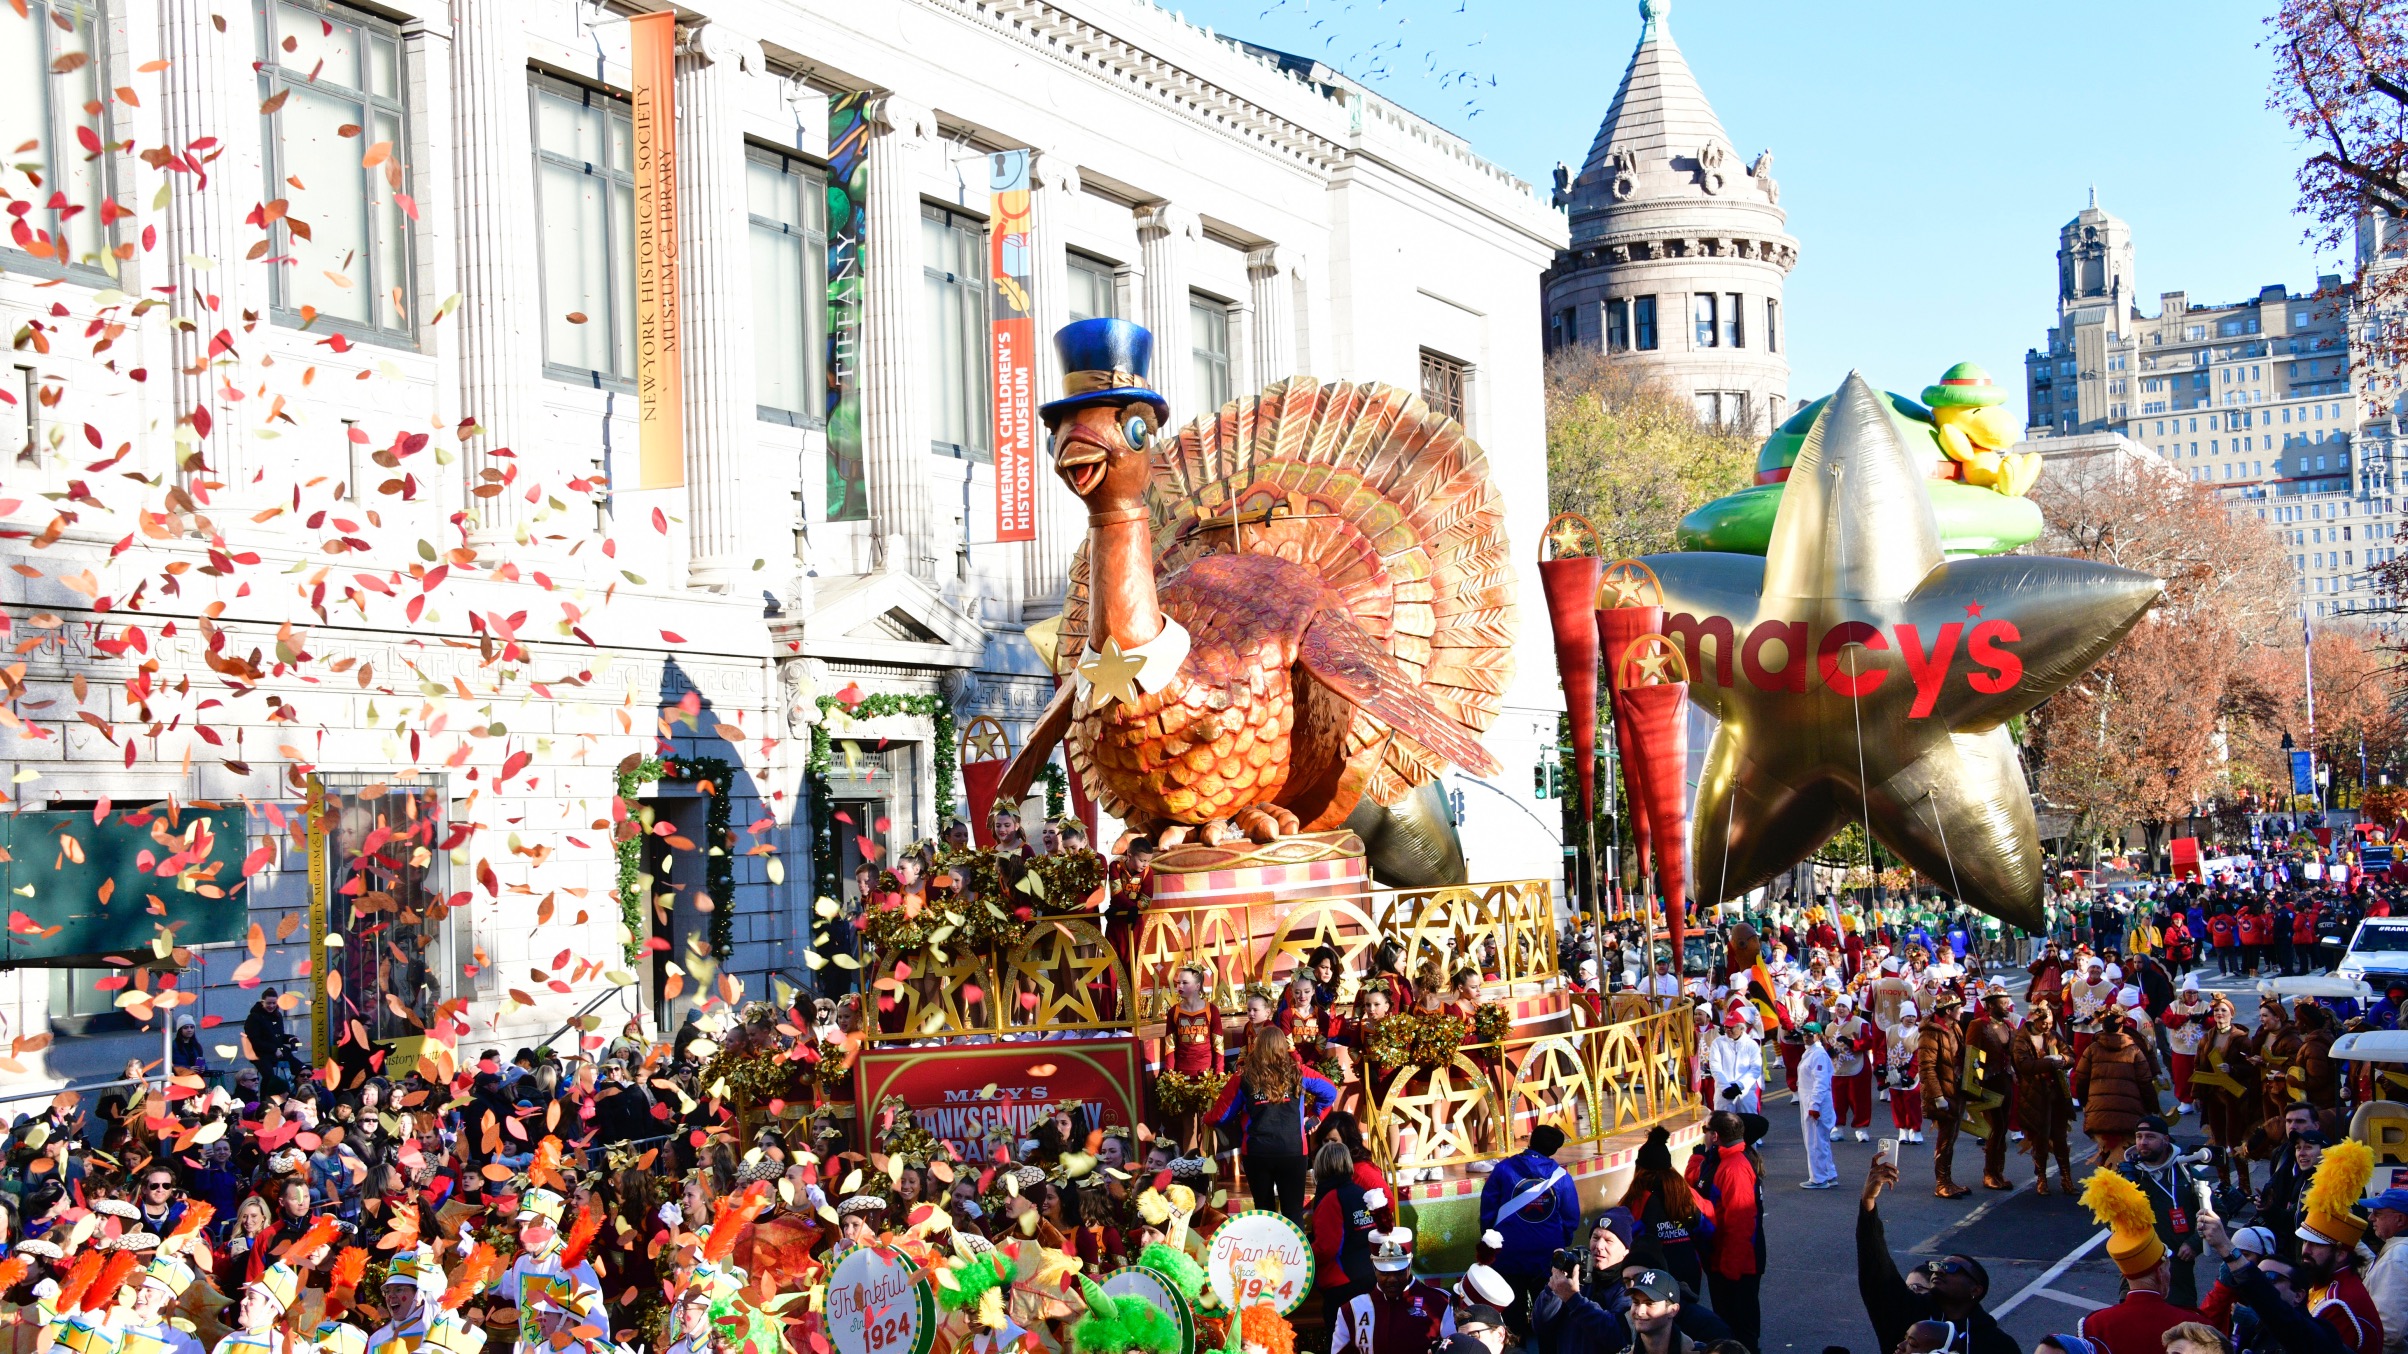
[[1601, 1280], [1950, 1288]]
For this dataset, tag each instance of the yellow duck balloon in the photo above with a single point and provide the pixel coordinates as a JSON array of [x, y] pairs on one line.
[[1976, 429]]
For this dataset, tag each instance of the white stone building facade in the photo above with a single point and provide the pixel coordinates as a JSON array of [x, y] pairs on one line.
[[1262, 216], [1678, 253]]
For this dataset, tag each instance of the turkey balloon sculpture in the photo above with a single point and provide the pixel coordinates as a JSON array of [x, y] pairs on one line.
[[1286, 608]]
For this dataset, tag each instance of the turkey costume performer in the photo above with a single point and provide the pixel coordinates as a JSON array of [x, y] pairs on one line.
[[1299, 603]]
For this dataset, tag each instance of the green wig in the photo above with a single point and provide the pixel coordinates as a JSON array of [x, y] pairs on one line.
[[1129, 1325], [973, 1279], [1174, 1265]]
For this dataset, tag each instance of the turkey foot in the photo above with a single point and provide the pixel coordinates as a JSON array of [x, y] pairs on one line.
[[1220, 832], [1265, 822], [1173, 834]]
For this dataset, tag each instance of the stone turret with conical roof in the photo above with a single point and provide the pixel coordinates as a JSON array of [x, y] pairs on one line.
[[1678, 252]]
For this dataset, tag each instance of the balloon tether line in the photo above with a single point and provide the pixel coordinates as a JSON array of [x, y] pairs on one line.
[[1856, 708]]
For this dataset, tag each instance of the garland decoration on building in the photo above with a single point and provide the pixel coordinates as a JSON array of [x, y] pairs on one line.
[[1057, 787], [716, 777], [875, 705]]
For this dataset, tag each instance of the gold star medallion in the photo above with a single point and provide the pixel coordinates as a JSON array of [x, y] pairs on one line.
[[1112, 674]]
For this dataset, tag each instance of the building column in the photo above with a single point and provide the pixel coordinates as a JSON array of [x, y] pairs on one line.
[[493, 211], [1061, 517], [714, 277], [893, 405], [1166, 239], [204, 265], [1273, 332]]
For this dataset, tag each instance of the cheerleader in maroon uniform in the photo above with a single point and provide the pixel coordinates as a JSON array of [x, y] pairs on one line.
[[1193, 1031]]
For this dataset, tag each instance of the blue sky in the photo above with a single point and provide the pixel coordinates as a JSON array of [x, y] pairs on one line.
[[1927, 153]]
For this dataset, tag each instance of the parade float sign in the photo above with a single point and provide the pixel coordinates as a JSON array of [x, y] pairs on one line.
[[1260, 1257], [879, 1303], [959, 1094]]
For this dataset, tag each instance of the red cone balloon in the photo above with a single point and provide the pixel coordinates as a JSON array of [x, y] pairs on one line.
[[1571, 588]]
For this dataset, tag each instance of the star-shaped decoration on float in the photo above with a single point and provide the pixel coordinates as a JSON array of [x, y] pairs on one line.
[[1573, 538], [1867, 677], [986, 745], [1113, 673], [1625, 583]]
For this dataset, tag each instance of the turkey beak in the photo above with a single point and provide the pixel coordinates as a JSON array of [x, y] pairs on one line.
[[1081, 458]]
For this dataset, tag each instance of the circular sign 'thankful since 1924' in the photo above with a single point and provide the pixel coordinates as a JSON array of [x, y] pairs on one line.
[[1260, 1257], [880, 1303]]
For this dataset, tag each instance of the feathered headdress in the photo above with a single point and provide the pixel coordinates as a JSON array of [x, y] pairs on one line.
[[350, 1266], [103, 1291], [13, 1271], [972, 1281], [2328, 1211], [735, 1213], [322, 1232], [79, 1279], [480, 1267], [2121, 1208], [197, 1215], [581, 1237], [545, 1168]]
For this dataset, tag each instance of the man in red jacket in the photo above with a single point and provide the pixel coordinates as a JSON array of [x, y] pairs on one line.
[[2224, 935], [1723, 1178], [2256, 934]]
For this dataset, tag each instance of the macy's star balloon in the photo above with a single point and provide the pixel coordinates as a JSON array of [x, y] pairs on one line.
[[1860, 675]]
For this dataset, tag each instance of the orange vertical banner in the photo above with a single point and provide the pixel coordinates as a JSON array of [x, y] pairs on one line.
[[659, 372]]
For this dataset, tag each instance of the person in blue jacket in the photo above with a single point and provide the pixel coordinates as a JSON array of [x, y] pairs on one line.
[[1272, 1103], [1531, 1203]]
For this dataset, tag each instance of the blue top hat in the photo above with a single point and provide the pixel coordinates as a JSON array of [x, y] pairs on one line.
[[1104, 361]]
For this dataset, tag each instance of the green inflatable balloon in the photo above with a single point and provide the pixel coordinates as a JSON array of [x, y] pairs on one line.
[[1973, 521]]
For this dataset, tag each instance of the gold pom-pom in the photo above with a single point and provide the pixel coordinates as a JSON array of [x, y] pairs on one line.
[[2117, 1203], [2340, 1180]]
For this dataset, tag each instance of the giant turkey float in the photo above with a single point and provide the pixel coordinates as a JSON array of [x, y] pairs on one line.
[[1290, 616]]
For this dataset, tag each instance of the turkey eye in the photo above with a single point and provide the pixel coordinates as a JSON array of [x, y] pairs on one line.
[[1139, 431]]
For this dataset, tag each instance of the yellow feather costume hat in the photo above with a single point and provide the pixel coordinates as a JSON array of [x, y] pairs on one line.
[[2121, 1208], [2329, 1209]]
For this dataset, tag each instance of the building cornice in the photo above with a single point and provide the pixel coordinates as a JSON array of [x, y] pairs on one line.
[[1324, 138], [1671, 245], [1078, 44]]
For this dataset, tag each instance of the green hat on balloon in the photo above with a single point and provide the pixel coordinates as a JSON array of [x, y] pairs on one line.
[[1964, 429], [1964, 386]]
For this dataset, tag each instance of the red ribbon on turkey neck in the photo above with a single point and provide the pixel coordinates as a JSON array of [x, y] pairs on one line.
[[1571, 588]]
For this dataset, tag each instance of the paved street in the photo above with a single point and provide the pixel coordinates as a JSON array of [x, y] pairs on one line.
[[2042, 1252]]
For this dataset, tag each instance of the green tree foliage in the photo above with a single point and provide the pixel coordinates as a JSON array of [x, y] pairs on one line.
[[1631, 456]]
